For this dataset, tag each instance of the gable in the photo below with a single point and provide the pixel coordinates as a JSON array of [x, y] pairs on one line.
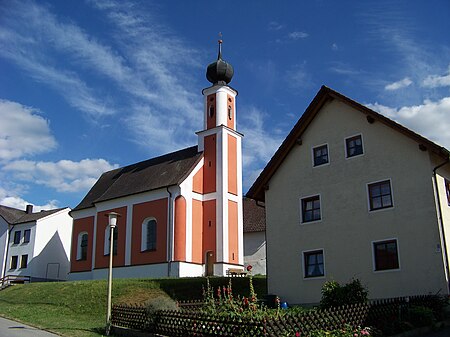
[[295, 137]]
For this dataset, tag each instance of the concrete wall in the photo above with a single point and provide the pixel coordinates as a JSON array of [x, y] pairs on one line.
[[255, 252], [347, 229]]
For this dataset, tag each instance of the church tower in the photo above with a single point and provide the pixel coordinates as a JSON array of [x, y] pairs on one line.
[[222, 172]]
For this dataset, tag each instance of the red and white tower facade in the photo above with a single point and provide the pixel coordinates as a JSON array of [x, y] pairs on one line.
[[222, 171]]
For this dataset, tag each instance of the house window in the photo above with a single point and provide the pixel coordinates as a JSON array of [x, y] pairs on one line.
[[385, 255], [24, 261], [14, 260], [320, 155], [313, 264], [447, 190], [82, 246], [16, 237], [26, 235], [380, 195], [149, 229], [108, 240], [311, 209], [354, 146]]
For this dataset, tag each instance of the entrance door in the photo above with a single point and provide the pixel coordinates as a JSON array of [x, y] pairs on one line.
[[209, 263]]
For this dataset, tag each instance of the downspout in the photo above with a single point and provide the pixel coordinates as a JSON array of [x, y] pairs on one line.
[[441, 222], [170, 241], [8, 236]]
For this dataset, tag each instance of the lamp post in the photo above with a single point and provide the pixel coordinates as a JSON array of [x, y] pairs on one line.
[[112, 217]]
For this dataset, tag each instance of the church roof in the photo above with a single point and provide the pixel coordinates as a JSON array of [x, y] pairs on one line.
[[254, 216], [152, 174], [15, 216]]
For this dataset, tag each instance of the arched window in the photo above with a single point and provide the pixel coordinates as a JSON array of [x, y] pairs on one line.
[[108, 240], [148, 241], [230, 115], [82, 246]]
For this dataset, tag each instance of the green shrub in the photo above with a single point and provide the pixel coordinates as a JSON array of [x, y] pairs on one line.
[[335, 295], [421, 316], [161, 303]]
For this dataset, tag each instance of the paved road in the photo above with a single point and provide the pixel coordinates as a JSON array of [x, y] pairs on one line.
[[10, 328]]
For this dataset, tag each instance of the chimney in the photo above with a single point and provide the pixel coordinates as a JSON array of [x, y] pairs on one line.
[[29, 209]]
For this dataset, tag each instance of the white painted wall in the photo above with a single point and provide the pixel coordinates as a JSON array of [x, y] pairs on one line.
[[3, 244], [48, 250], [347, 229], [255, 252]]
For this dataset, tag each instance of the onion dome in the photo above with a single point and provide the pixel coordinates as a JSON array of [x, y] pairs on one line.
[[219, 72]]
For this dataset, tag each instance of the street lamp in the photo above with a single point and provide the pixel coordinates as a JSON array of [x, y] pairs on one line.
[[112, 217]]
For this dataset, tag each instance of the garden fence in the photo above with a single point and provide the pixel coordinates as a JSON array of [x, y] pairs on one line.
[[188, 322]]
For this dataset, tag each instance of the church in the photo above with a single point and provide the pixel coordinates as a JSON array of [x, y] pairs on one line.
[[181, 214]]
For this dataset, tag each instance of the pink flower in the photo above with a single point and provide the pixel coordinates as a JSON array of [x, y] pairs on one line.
[[297, 334]]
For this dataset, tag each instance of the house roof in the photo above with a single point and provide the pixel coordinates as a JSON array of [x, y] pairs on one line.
[[166, 170], [15, 216], [254, 216], [325, 95]]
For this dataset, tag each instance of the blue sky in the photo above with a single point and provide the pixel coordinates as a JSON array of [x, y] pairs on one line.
[[88, 86]]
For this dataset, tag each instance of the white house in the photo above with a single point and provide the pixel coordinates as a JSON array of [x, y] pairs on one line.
[[353, 194], [255, 236], [36, 245], [181, 213]]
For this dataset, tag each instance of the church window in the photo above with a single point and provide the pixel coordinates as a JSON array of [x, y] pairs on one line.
[[149, 234], [82, 246]]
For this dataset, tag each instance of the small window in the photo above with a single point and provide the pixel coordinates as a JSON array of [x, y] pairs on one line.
[[230, 112], [16, 237], [386, 255], [311, 209], [82, 246], [320, 155], [14, 260], [313, 264], [211, 111], [380, 195], [108, 240], [26, 235], [149, 235], [354, 146], [447, 190], [24, 261]]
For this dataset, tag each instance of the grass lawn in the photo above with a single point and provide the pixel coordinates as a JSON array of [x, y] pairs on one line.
[[78, 308]]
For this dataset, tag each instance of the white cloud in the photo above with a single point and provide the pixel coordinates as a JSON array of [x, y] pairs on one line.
[[399, 84], [298, 77], [259, 143], [63, 176], [140, 64], [23, 131], [12, 200], [334, 47], [274, 25], [430, 119], [298, 35], [434, 81]]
